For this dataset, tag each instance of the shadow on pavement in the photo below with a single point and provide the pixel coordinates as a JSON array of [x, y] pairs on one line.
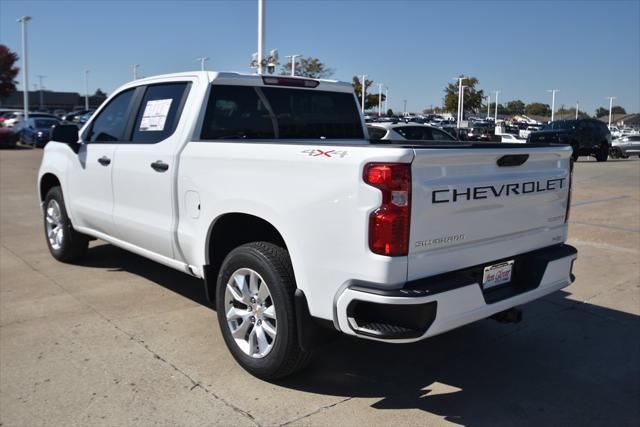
[[567, 363]]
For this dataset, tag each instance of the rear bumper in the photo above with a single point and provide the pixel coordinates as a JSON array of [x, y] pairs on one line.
[[434, 305]]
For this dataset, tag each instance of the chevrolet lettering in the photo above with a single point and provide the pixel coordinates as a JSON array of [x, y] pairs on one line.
[[504, 190]]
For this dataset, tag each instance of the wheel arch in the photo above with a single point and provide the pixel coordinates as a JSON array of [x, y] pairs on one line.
[[47, 182], [229, 231]]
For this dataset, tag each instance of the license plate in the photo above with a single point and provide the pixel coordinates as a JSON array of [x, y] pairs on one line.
[[497, 274]]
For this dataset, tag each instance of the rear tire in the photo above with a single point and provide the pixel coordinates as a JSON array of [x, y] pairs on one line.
[[575, 154], [603, 154], [65, 243], [256, 311], [616, 153]]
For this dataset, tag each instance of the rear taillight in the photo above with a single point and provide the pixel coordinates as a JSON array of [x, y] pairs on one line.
[[389, 224], [566, 215]]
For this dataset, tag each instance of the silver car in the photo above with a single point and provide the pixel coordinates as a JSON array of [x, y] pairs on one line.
[[625, 147], [409, 131]]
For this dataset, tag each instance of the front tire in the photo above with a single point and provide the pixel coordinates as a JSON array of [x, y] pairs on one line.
[[256, 312], [65, 243], [603, 154]]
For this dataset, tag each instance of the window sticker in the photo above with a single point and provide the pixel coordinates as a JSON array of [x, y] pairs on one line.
[[155, 115]]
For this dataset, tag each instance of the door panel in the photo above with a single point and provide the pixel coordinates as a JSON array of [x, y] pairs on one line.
[[145, 170]]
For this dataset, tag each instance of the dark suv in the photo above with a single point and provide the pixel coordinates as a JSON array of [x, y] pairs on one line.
[[588, 137]]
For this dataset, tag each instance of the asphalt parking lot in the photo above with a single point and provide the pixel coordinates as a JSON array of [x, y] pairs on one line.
[[119, 340]]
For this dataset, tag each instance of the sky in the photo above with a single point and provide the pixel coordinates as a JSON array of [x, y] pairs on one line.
[[587, 49]]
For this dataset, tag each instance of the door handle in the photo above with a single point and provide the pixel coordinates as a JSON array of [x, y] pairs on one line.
[[159, 166], [104, 161]]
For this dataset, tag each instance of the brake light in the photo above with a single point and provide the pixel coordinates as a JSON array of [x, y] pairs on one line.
[[389, 224], [289, 81], [566, 215]]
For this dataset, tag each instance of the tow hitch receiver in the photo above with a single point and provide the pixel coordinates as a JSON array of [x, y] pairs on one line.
[[511, 315]]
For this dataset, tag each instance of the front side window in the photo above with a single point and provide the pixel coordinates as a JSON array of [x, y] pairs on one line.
[[439, 135], [110, 124], [248, 112], [159, 113], [414, 132]]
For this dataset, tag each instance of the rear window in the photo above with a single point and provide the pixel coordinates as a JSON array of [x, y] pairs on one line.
[[248, 112], [45, 123]]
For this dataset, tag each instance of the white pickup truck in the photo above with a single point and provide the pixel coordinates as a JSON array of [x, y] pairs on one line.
[[269, 189]]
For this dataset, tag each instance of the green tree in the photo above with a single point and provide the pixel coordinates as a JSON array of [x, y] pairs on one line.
[[370, 99], [99, 92], [308, 67], [8, 72], [472, 97], [538, 109], [616, 109], [515, 107], [389, 112], [501, 109]]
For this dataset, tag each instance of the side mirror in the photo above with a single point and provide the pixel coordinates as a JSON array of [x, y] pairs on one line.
[[67, 134]]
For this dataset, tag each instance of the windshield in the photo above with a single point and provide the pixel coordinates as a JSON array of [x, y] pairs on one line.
[[45, 123], [248, 112]]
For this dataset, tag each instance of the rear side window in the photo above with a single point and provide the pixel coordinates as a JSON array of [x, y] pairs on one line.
[[439, 135], [159, 113], [414, 132], [248, 112], [376, 133], [110, 124]]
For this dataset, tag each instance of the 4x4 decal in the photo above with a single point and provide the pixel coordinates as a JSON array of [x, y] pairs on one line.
[[316, 152]]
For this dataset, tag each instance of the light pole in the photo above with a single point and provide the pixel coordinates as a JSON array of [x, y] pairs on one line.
[[25, 95], [611, 98], [577, 106], [495, 115], [135, 71], [386, 99], [488, 104], [379, 99], [363, 83], [459, 99], [405, 106], [202, 61], [40, 77], [553, 101], [461, 104], [293, 63], [86, 89], [261, 35]]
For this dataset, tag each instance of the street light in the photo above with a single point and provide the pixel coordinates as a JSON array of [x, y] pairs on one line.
[[202, 61], [553, 101], [460, 78], [379, 99], [386, 99], [610, 98], [577, 107], [495, 115], [135, 71], [261, 35], [86, 89], [40, 77], [23, 21], [293, 63], [405, 107], [363, 83], [461, 104], [488, 104]]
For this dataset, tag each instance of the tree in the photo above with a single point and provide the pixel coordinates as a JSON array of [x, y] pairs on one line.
[[472, 97], [370, 99], [308, 67], [389, 112], [8, 72], [616, 109], [514, 107], [99, 92], [538, 109], [501, 109]]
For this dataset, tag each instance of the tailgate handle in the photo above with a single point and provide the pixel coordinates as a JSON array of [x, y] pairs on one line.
[[512, 159]]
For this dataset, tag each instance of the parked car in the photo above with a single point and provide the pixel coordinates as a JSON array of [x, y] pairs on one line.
[[37, 131], [524, 133], [16, 119], [625, 147], [59, 112], [267, 188], [508, 137], [404, 131], [8, 138], [587, 137], [71, 116]]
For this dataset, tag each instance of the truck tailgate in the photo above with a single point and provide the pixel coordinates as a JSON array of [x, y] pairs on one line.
[[472, 205]]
